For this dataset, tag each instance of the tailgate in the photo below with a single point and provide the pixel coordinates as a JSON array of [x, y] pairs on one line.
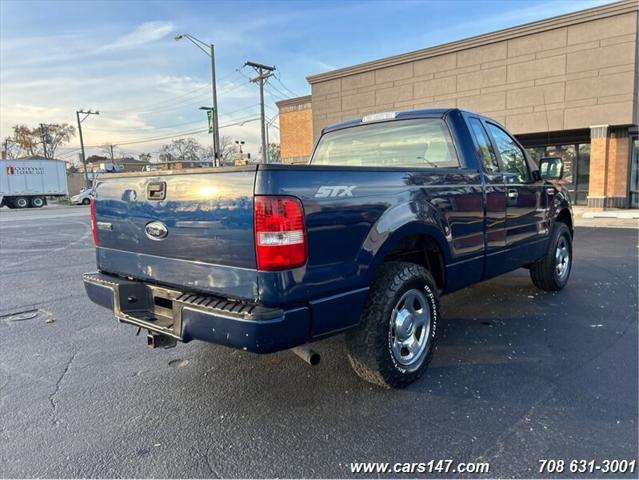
[[185, 229]]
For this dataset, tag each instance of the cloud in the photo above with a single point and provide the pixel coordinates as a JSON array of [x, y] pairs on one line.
[[180, 84], [145, 33]]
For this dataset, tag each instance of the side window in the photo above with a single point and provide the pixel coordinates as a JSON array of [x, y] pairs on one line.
[[484, 148], [512, 156]]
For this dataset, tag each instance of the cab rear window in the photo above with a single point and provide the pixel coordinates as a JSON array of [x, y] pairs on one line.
[[424, 143]]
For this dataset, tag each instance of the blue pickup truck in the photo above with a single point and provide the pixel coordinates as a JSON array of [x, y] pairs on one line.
[[392, 211]]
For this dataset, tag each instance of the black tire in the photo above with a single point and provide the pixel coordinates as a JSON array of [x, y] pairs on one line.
[[37, 202], [370, 345], [20, 202], [546, 272], [86, 201]]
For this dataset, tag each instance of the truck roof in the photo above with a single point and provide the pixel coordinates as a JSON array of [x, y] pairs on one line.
[[403, 115]]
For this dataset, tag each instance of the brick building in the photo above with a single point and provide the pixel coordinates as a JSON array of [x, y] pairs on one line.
[[296, 129], [565, 86]]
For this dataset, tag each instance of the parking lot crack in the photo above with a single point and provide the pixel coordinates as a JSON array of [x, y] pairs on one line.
[[52, 396], [207, 462], [496, 450]]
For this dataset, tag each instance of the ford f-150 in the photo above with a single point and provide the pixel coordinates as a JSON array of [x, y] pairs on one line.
[[392, 211]]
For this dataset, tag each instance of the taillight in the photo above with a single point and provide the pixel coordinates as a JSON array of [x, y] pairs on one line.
[[94, 230], [280, 236]]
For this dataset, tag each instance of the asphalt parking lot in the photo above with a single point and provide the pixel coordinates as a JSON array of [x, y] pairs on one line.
[[518, 376]]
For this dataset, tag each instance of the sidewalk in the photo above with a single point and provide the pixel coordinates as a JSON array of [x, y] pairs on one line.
[[619, 218]]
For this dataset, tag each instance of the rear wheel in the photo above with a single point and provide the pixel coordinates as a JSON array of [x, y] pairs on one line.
[[37, 202], [394, 341], [86, 201], [552, 271], [21, 202]]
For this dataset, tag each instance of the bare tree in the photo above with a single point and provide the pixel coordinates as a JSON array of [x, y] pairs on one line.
[[227, 151], [58, 135], [29, 141], [111, 151], [274, 155], [182, 149], [10, 148]]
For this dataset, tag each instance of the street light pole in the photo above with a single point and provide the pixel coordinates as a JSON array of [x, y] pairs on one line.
[[211, 53], [216, 130]]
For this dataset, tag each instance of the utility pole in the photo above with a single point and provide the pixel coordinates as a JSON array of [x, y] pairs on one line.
[[44, 131], [264, 72], [44, 134], [84, 157]]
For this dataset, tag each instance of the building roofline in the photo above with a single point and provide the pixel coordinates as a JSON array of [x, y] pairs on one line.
[[34, 157], [293, 101], [596, 13]]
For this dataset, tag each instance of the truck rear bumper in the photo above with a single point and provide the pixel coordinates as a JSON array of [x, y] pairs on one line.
[[185, 316]]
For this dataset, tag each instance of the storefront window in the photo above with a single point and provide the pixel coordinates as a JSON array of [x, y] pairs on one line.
[[536, 153], [583, 174], [568, 154], [576, 160]]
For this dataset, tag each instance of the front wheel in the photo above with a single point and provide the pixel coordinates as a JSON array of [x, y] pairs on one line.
[[86, 201], [551, 272], [393, 344]]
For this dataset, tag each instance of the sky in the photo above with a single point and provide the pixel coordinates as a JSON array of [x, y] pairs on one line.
[[120, 57]]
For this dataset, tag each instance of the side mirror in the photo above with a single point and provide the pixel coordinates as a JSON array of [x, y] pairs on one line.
[[551, 168]]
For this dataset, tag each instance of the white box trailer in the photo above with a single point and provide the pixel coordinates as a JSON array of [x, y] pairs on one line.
[[25, 183]]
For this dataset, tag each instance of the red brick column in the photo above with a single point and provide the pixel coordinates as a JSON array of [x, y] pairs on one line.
[[618, 167], [609, 160]]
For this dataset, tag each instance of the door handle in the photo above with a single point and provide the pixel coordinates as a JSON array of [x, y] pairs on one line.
[[513, 193], [156, 191]]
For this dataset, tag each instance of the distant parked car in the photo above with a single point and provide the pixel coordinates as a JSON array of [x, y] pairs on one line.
[[84, 197]]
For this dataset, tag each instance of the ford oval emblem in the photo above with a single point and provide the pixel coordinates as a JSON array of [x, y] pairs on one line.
[[156, 230]]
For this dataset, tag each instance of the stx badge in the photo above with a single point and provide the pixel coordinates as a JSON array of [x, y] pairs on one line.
[[334, 191]]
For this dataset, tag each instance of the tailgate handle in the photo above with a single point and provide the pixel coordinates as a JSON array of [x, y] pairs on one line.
[[156, 191]]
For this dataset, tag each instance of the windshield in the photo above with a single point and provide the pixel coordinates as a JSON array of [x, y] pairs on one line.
[[423, 142]]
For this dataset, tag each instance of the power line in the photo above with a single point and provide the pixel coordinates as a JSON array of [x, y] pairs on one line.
[[277, 77], [116, 130], [172, 106], [275, 93], [164, 137], [169, 101], [164, 102], [178, 134]]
